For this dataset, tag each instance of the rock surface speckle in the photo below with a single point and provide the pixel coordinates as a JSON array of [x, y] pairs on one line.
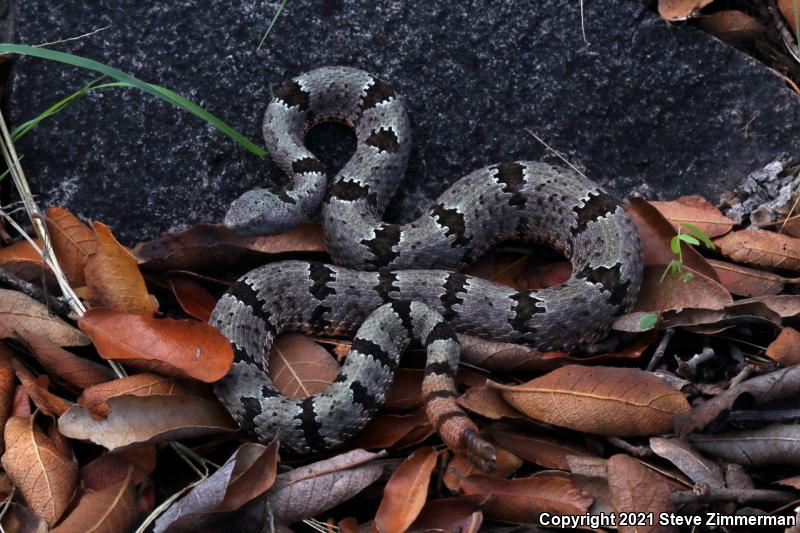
[[638, 105]]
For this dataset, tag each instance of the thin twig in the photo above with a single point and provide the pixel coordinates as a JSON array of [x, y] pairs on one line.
[[98, 30], [789, 216], [742, 496], [320, 526], [203, 474], [583, 25], [15, 282], [745, 373], [7, 503], [783, 28], [556, 152], [762, 416], [658, 355], [636, 451], [37, 219]]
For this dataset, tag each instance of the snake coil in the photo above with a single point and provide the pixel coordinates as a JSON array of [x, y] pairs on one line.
[[398, 282]]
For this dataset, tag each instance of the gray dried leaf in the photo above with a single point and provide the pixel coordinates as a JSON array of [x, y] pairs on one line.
[[19, 313], [502, 356], [309, 490], [775, 385], [737, 478], [225, 490], [635, 487], [588, 466], [775, 444], [135, 420], [695, 466]]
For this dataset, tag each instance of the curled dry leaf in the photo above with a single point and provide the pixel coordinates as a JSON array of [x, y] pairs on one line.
[[543, 450], [180, 348], [406, 492], [59, 441], [732, 26], [247, 474], [502, 356], [193, 298], [689, 461], [206, 247], [696, 211], [793, 482], [38, 391], [64, 365], [525, 499], [700, 292], [6, 389], [532, 269], [113, 277], [406, 391], [312, 489], [73, 242], [743, 281], [299, 367], [20, 312], [19, 251], [787, 8], [136, 420], [22, 260], [761, 248], [750, 311], [42, 473], [460, 467], [634, 488], [787, 306], [449, 514], [21, 519], [112, 468], [21, 404], [487, 402], [253, 474], [786, 348], [624, 402], [508, 357], [673, 10], [778, 444], [655, 233], [784, 383], [393, 431], [588, 466], [95, 398], [112, 509]]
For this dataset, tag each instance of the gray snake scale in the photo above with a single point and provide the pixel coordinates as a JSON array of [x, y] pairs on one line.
[[398, 282]]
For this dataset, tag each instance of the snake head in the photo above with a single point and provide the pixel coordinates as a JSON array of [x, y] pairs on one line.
[[260, 212]]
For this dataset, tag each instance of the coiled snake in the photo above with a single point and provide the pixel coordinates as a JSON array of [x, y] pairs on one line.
[[401, 281]]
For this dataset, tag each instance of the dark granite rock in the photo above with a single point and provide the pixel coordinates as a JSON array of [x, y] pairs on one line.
[[640, 104]]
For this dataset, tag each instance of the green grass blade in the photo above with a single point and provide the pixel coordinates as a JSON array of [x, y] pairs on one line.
[[21, 130], [7, 171], [272, 23], [161, 92]]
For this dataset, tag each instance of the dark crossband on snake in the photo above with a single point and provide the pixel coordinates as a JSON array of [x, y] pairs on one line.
[[394, 283]]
